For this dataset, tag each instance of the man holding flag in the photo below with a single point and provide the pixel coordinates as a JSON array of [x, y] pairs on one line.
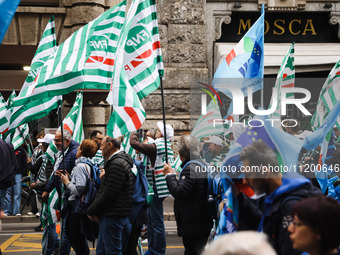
[[63, 162], [156, 152]]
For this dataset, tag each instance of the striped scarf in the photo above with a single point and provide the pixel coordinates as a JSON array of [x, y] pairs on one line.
[[41, 175], [161, 186]]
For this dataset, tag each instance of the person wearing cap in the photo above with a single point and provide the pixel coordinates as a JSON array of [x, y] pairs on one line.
[[43, 169], [156, 153], [215, 145]]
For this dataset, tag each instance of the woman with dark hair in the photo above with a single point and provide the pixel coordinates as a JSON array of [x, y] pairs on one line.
[[316, 226], [190, 193], [80, 173]]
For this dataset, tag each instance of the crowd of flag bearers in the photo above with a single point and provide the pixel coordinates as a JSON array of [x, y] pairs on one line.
[[231, 183]]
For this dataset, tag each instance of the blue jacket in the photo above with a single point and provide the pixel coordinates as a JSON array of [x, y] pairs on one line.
[[275, 216], [70, 161], [277, 210]]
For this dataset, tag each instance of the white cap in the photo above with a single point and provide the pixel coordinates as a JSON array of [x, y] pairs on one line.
[[215, 140], [169, 130], [47, 139]]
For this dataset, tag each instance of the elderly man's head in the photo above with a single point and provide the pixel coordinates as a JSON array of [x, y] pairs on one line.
[[188, 147], [109, 146], [58, 139]]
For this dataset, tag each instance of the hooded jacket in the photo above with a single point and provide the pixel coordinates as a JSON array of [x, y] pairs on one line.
[[278, 208], [114, 197], [276, 213]]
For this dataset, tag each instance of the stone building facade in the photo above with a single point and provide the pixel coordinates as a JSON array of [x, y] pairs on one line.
[[194, 37]]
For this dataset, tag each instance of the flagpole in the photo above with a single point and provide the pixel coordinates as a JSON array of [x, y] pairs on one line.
[[163, 108], [262, 91], [62, 136]]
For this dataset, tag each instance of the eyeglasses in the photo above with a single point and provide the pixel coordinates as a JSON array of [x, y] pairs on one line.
[[98, 138], [297, 224]]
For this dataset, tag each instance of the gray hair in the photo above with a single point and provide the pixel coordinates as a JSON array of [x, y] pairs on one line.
[[259, 154], [66, 134], [241, 243], [152, 133], [116, 142], [188, 145]]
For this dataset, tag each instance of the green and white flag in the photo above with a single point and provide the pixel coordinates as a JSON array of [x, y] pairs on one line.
[[49, 216], [137, 69], [208, 124], [20, 136], [177, 164], [127, 147], [47, 46], [4, 115], [285, 79], [39, 108], [5, 118], [15, 136], [329, 96], [73, 122], [84, 60]]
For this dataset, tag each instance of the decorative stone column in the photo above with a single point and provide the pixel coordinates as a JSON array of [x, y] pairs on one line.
[[335, 20]]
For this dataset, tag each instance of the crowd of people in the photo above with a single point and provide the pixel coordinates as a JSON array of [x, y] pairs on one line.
[[288, 210]]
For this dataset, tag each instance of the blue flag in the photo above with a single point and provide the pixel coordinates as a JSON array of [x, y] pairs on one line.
[[245, 61], [286, 146], [8, 8]]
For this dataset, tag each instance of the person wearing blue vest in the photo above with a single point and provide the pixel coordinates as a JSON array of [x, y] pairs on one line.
[[282, 193], [190, 192]]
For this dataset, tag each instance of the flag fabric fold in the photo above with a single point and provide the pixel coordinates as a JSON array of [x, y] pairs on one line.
[[329, 96], [41, 107], [210, 123], [285, 79], [84, 61], [4, 115], [137, 69], [73, 122], [245, 63]]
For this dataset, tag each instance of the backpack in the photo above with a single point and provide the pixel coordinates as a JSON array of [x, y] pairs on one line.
[[214, 189], [95, 173], [84, 201]]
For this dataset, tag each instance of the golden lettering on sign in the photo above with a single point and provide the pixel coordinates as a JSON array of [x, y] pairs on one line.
[[295, 27], [245, 26], [266, 27], [291, 25], [310, 22], [276, 24]]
